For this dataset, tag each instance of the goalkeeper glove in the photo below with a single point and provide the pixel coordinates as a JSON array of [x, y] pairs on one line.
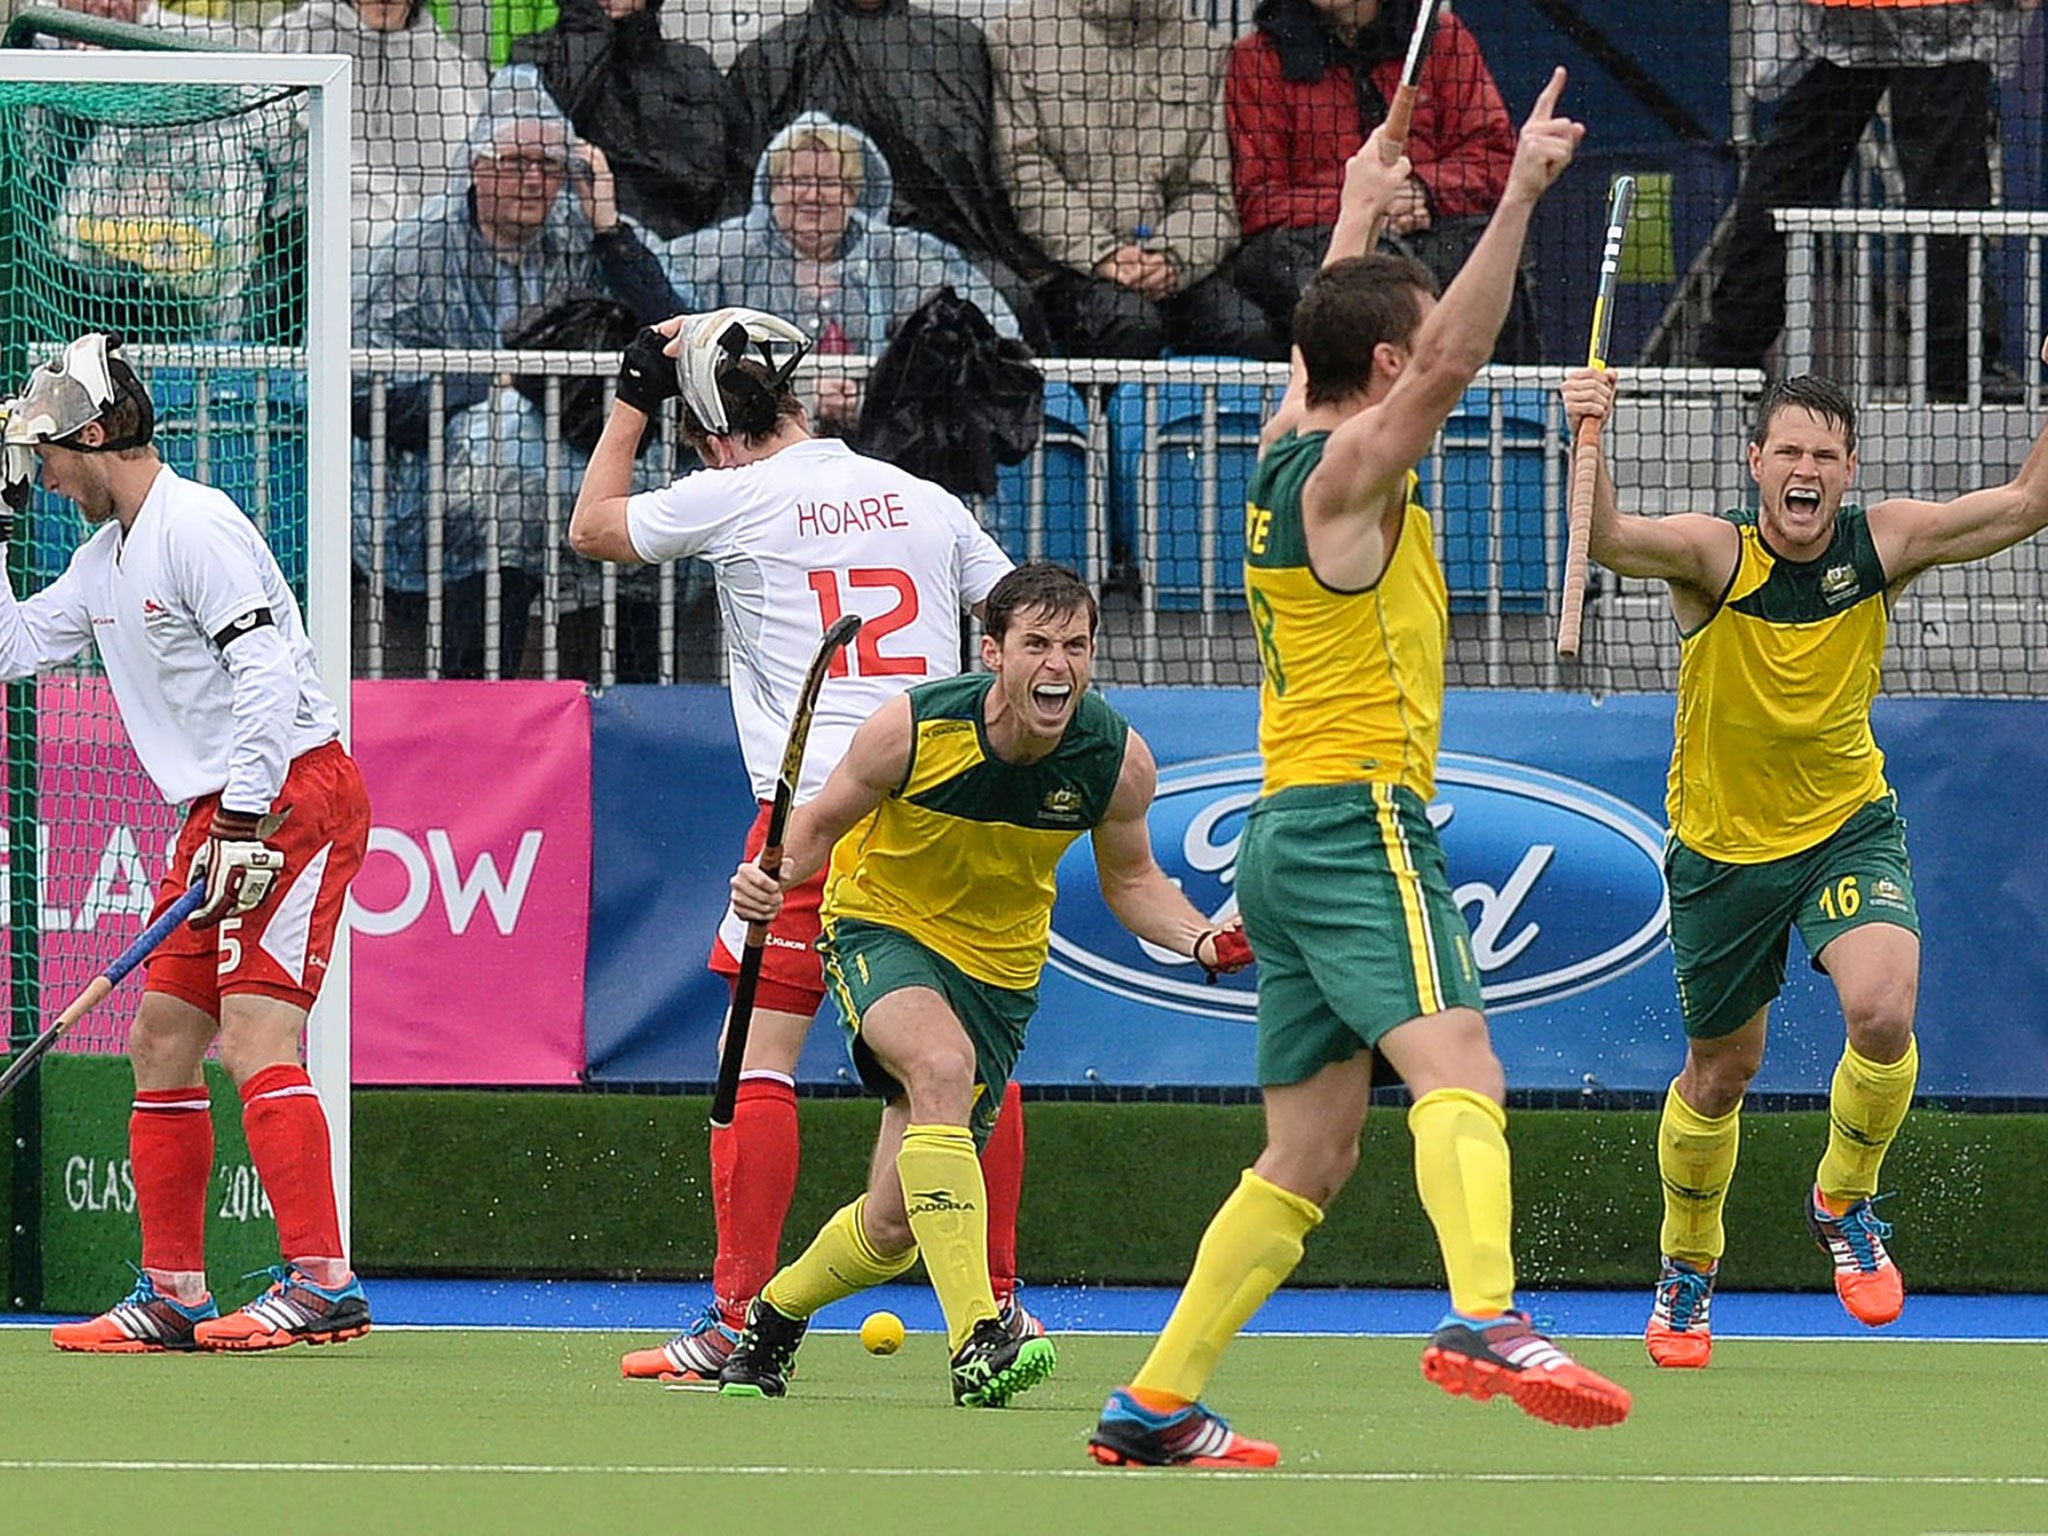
[[236, 865], [17, 476], [647, 374], [1229, 951]]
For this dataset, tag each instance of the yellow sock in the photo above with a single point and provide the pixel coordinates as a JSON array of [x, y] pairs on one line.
[[948, 1206], [839, 1262], [1465, 1179], [1252, 1245], [1696, 1161], [1866, 1106]]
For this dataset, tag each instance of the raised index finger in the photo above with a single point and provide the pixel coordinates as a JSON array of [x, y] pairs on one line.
[[1546, 103]]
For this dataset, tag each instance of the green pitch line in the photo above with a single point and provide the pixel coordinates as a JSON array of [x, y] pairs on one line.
[[518, 1432]]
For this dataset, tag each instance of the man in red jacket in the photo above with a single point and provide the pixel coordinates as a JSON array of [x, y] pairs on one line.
[[1304, 89]]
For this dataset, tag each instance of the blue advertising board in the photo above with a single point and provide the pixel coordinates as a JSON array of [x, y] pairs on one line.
[[669, 811], [1551, 811]]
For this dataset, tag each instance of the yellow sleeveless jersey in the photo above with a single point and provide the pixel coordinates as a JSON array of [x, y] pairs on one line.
[[1352, 684], [961, 857], [1773, 746]]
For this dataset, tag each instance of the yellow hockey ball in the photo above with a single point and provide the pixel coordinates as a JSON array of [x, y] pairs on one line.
[[882, 1333]]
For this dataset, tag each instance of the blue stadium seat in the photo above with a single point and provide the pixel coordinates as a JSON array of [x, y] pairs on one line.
[[1463, 503], [1183, 489], [249, 441], [1008, 515], [54, 529]]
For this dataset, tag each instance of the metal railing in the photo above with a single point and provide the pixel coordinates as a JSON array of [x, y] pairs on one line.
[[1854, 275], [1138, 483]]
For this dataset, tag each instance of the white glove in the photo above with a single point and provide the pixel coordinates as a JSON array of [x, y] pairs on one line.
[[237, 866]]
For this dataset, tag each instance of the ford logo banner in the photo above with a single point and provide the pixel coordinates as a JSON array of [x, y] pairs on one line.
[[1561, 884], [1551, 809]]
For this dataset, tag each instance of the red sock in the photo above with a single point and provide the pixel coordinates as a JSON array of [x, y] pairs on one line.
[[753, 1177], [1002, 1171], [287, 1132], [170, 1156]]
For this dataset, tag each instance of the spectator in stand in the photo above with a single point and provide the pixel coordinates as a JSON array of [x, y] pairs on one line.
[[413, 98], [661, 111], [162, 225], [147, 13], [530, 212], [1934, 60], [1305, 88], [720, 29], [498, 466], [1120, 174], [919, 84], [817, 249], [723, 27]]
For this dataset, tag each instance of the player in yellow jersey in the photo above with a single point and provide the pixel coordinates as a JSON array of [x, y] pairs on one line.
[[1781, 816], [944, 822], [1340, 878]]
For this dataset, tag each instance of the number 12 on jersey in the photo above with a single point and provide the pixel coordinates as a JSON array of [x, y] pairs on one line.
[[866, 650]]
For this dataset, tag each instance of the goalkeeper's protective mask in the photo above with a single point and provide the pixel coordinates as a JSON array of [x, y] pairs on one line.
[[62, 398], [713, 343]]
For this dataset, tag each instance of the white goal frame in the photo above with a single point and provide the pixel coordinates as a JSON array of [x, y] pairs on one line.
[[326, 81]]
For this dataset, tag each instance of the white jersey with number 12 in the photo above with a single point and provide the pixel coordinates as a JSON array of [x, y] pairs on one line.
[[798, 539]]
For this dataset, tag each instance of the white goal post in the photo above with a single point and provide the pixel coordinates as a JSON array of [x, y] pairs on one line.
[[324, 83]]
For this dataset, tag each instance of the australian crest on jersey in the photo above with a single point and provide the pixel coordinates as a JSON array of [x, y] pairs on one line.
[[956, 772], [1062, 806]]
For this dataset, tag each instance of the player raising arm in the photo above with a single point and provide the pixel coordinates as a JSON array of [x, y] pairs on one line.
[[210, 666], [1374, 177], [1341, 882], [1781, 816], [944, 823], [799, 529]]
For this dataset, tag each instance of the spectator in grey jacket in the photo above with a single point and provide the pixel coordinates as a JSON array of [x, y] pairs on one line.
[[529, 212], [916, 82], [818, 249], [511, 459], [1121, 175], [413, 97]]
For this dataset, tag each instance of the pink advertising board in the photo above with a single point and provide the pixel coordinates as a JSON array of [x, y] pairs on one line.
[[470, 917], [105, 835]]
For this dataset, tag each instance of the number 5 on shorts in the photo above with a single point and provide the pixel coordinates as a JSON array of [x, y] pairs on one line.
[[230, 945]]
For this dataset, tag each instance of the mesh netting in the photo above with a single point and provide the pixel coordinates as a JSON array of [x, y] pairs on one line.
[[1137, 189], [158, 213], [1138, 180]]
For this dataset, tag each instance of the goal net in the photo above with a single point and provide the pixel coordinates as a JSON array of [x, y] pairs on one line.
[[186, 202]]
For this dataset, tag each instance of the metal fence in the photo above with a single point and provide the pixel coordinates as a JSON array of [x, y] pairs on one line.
[[1859, 293], [1139, 484]]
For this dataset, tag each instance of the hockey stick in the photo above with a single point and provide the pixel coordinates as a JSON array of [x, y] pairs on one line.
[[1401, 112], [742, 1016], [1586, 446], [101, 985]]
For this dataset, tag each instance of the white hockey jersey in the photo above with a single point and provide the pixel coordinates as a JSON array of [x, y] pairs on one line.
[[798, 539]]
